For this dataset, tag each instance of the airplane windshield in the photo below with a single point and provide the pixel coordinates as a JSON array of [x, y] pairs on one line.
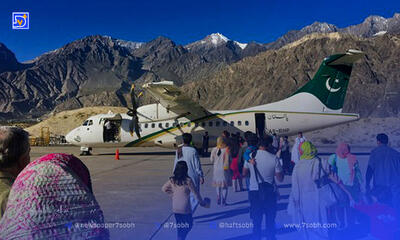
[[85, 123]]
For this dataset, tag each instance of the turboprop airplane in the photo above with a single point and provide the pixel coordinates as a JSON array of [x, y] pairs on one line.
[[316, 105]]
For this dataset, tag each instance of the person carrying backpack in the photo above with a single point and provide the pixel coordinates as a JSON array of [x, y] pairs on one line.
[[263, 167]]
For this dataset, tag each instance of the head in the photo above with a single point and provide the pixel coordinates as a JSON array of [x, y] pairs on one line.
[[274, 134], [180, 173], [307, 150], [206, 133], [265, 143], [285, 138], [14, 149], [222, 142], [300, 134], [31, 200], [343, 150], [187, 138], [226, 134], [382, 139], [252, 140], [247, 135]]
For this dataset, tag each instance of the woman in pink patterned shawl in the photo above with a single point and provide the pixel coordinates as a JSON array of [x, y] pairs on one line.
[[52, 198]]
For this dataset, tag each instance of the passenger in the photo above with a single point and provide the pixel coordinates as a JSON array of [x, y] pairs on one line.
[[52, 198], [252, 142], [206, 139], [286, 163], [221, 174], [384, 168], [189, 154], [275, 141], [305, 206], [14, 156], [295, 150], [346, 167], [226, 134], [180, 186], [263, 167], [234, 166]]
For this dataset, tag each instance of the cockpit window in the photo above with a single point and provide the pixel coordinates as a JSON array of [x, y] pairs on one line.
[[85, 123], [90, 122]]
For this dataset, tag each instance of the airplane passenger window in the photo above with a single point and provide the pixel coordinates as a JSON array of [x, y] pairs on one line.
[[153, 125], [160, 125], [146, 125], [203, 124], [210, 123], [167, 125], [85, 123], [239, 123], [246, 123], [225, 123], [217, 123], [232, 123]]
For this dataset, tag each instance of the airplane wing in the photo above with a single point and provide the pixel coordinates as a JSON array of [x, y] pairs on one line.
[[173, 99]]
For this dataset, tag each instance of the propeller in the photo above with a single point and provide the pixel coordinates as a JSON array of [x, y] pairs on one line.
[[134, 124]]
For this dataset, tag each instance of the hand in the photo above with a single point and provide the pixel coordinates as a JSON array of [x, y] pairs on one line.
[[252, 161], [202, 180]]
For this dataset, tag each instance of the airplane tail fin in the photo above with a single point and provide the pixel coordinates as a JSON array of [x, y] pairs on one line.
[[330, 82]]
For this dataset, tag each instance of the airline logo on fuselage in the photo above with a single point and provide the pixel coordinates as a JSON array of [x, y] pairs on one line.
[[329, 87]]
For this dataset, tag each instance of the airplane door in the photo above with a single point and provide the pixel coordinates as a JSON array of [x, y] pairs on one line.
[[260, 124]]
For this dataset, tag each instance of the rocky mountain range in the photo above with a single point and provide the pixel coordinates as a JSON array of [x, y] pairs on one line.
[[98, 70]]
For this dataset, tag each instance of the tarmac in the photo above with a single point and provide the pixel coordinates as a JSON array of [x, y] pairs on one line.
[[129, 193]]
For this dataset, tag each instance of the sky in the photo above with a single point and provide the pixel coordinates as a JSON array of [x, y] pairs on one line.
[[56, 23]]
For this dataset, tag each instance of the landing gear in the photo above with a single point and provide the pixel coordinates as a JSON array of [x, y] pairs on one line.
[[85, 151]]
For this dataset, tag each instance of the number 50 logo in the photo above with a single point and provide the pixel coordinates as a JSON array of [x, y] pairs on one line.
[[20, 20]]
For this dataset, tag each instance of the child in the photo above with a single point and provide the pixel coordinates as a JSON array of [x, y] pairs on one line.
[[179, 186]]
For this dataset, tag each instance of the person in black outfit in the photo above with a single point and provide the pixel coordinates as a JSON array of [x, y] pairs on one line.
[[206, 138]]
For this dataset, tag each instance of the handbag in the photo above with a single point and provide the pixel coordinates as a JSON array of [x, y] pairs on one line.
[[329, 192], [266, 190]]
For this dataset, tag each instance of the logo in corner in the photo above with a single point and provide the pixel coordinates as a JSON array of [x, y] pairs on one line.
[[20, 20]]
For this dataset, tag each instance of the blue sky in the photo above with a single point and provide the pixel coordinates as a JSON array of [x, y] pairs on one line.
[[55, 23]]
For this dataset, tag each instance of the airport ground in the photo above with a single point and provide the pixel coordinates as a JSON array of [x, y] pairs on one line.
[[129, 193]]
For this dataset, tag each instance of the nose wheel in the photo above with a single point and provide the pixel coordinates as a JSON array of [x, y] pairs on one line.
[[86, 151]]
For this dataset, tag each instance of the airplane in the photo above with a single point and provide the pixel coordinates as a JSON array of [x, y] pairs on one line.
[[316, 105]]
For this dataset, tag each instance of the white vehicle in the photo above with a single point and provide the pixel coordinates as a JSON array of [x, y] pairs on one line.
[[316, 105]]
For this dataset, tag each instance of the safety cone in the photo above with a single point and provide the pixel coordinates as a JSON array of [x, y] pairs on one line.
[[117, 154]]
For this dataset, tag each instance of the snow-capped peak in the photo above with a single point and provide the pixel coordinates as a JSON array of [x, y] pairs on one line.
[[129, 44], [241, 45], [217, 38]]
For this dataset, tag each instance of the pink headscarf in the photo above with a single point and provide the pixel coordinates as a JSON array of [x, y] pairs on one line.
[[343, 151], [52, 198]]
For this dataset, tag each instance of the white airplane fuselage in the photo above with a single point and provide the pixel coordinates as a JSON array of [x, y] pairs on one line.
[[159, 127]]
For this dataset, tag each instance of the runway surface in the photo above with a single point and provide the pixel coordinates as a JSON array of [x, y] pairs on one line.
[[129, 193]]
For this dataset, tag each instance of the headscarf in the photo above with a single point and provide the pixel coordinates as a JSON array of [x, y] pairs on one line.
[[343, 151], [52, 199], [307, 150]]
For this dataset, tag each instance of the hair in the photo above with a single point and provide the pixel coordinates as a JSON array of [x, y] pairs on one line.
[[266, 142], [14, 143], [382, 138], [180, 173], [252, 140], [187, 138], [234, 146], [226, 134], [247, 135]]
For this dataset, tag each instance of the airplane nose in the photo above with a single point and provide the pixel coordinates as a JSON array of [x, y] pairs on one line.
[[69, 137]]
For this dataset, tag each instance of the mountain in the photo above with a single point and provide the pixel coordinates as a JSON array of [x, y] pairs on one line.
[[217, 47], [8, 62], [374, 89], [370, 27], [98, 70]]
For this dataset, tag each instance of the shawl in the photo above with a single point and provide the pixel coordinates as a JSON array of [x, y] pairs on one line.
[[52, 198], [307, 150], [343, 151]]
